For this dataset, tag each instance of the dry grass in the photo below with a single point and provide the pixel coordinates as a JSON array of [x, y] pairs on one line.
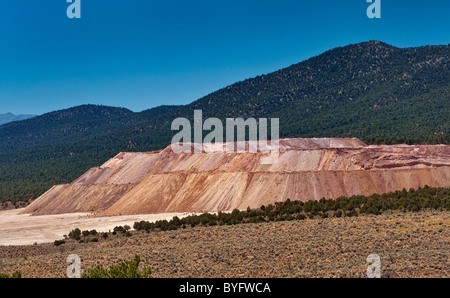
[[409, 244]]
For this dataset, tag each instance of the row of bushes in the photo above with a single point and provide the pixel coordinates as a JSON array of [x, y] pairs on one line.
[[412, 201], [92, 236], [75, 234], [407, 201]]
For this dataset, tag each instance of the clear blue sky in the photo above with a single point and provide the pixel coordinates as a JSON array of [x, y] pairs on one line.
[[144, 53]]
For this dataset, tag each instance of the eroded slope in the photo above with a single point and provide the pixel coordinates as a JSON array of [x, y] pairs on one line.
[[307, 169]]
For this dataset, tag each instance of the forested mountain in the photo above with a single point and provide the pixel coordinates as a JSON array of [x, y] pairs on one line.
[[62, 126], [9, 117], [371, 90]]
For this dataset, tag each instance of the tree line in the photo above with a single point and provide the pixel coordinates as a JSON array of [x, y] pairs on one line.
[[407, 201]]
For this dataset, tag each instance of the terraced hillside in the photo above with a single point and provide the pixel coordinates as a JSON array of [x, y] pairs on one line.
[[307, 169]]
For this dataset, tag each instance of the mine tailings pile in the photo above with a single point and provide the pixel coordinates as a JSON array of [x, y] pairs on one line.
[[307, 169]]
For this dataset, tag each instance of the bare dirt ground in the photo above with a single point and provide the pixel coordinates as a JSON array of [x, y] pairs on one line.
[[409, 244], [24, 229]]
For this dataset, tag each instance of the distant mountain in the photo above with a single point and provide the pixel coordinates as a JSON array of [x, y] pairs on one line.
[[373, 91], [8, 117], [62, 126]]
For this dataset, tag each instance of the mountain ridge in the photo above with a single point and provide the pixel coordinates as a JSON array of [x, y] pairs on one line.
[[10, 117], [373, 91], [68, 124]]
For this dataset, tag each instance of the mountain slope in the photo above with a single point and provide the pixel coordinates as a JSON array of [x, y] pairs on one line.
[[61, 126], [373, 91], [332, 93]]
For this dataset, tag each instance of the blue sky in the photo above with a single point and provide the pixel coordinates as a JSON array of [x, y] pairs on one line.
[[140, 54]]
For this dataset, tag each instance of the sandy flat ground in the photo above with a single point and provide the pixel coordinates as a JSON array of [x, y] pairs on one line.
[[24, 229]]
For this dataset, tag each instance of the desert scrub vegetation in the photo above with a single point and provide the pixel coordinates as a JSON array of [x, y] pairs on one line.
[[59, 242], [126, 269], [407, 201], [16, 274], [426, 198], [75, 234]]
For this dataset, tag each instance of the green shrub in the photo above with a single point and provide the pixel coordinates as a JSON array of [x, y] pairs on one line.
[[119, 229], [59, 242], [75, 234], [300, 217], [352, 213], [126, 269], [16, 274]]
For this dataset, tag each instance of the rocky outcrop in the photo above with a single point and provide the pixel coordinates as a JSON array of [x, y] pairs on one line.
[[307, 169]]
